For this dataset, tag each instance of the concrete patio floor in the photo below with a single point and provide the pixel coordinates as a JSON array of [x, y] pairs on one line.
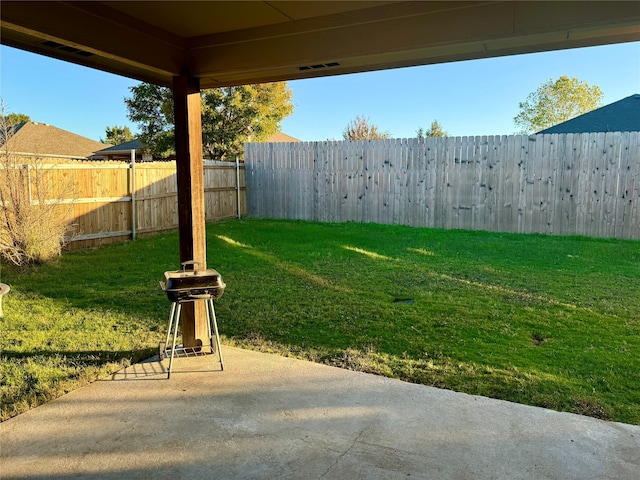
[[267, 416]]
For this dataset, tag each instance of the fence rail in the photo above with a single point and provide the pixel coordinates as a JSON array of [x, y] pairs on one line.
[[569, 184], [113, 201]]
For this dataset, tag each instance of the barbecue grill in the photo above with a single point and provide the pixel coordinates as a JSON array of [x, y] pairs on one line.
[[183, 286], [189, 285]]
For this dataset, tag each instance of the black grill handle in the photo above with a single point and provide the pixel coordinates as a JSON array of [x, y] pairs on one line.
[[189, 262]]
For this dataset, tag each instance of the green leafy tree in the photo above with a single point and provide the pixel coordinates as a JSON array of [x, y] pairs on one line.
[[16, 118], [151, 107], [361, 129], [116, 135], [435, 131], [556, 102], [231, 116]]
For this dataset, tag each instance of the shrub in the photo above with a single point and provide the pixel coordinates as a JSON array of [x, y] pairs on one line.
[[32, 222]]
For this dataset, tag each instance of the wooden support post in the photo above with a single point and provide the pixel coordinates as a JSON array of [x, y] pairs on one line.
[[191, 215]]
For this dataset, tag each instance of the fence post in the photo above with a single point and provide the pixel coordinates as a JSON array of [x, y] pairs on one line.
[[29, 184], [238, 183], [133, 194]]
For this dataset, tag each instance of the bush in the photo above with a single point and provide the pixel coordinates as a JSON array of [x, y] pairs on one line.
[[32, 223]]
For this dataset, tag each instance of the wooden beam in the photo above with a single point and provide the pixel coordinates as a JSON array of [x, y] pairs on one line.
[[400, 34], [191, 214], [125, 45]]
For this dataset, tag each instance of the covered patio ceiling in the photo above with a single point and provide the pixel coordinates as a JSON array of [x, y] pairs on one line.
[[225, 43]]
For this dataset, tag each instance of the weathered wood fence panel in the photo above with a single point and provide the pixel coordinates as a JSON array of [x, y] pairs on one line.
[[570, 184], [102, 199]]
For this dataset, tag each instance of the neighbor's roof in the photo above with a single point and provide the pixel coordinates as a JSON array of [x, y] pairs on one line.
[[125, 147], [136, 144], [42, 139], [620, 116], [281, 137]]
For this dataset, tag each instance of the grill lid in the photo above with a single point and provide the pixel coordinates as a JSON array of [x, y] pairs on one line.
[[186, 279], [187, 282]]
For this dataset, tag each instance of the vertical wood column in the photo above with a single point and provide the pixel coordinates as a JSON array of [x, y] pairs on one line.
[[191, 216]]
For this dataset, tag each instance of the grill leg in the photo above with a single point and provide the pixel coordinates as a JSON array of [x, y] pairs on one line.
[[215, 329], [208, 323], [171, 315], [175, 336], [174, 322]]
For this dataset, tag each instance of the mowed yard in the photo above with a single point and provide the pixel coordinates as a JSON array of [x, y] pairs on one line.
[[540, 320]]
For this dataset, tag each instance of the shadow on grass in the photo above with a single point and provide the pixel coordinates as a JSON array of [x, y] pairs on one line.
[[121, 278], [31, 378], [87, 358]]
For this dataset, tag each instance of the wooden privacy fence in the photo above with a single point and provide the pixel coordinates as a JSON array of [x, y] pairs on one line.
[[569, 184], [113, 201]]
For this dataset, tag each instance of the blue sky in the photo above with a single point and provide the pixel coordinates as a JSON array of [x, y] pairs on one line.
[[477, 97]]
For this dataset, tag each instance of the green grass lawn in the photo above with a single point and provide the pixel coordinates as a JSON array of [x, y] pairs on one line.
[[547, 321]]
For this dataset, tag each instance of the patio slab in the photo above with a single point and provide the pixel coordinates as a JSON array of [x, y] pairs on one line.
[[267, 416]]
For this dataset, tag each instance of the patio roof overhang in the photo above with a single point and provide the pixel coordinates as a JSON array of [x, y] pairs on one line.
[[235, 42]]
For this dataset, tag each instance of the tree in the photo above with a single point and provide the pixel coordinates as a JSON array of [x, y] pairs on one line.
[[151, 107], [361, 129], [556, 102], [435, 131], [116, 135], [231, 116], [16, 118]]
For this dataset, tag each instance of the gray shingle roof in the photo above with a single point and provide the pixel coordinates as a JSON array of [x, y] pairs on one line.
[[125, 147], [620, 116]]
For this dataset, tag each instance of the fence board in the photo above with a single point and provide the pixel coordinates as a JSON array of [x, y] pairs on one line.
[[630, 192], [615, 219]]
